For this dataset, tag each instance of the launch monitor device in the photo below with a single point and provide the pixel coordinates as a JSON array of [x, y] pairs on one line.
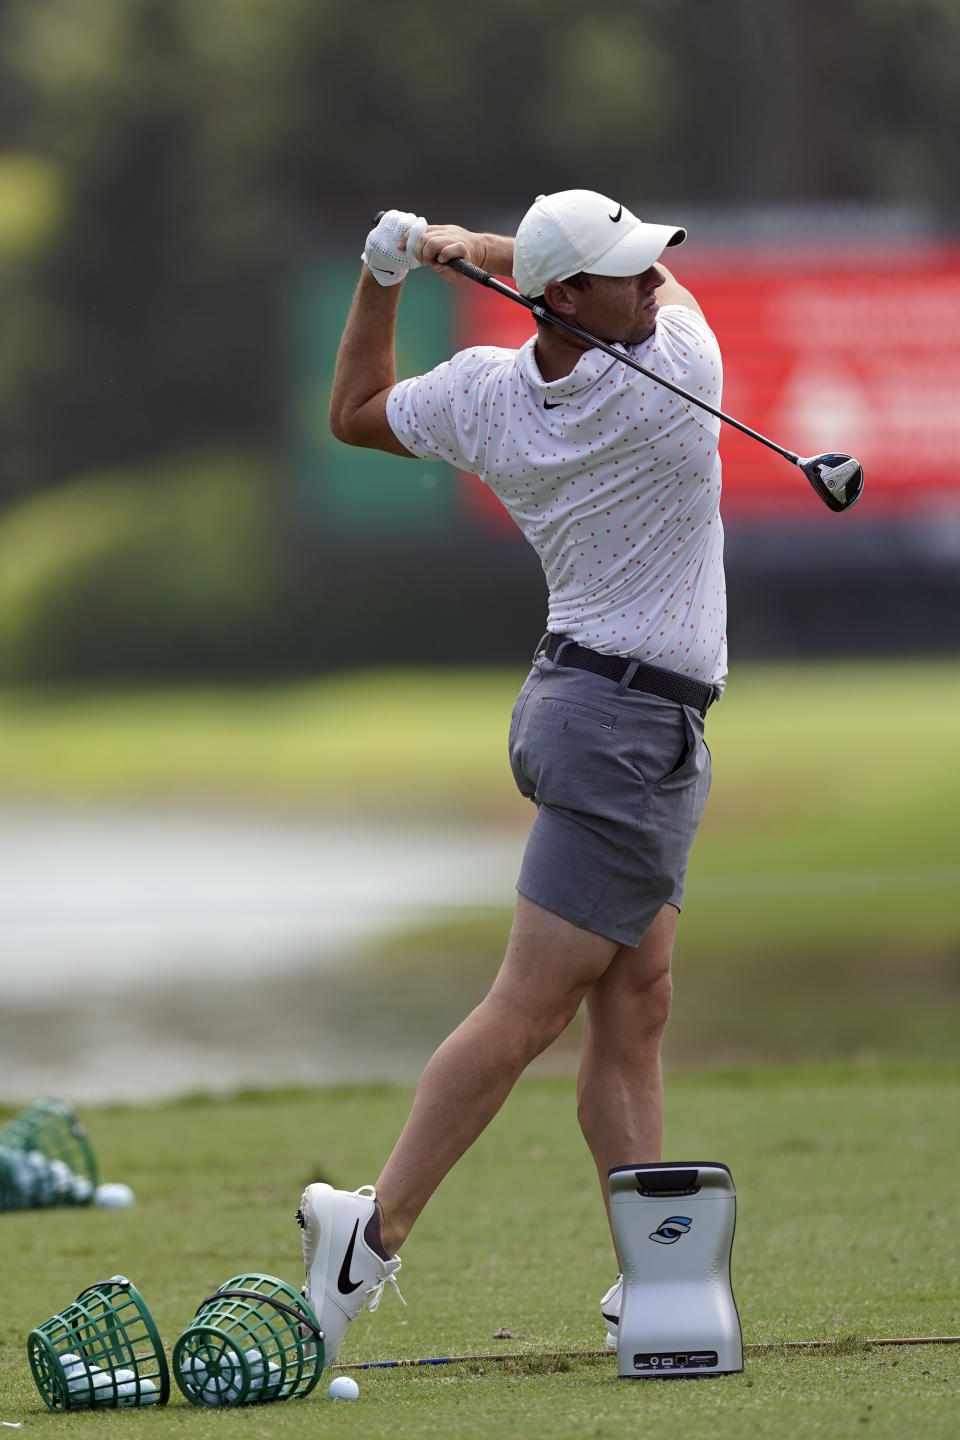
[[674, 1229]]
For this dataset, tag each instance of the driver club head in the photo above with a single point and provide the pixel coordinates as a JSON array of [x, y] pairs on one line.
[[837, 479]]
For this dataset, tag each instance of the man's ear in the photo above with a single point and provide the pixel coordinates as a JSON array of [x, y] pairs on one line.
[[559, 298]]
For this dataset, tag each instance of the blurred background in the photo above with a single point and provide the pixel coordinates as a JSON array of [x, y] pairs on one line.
[[256, 824]]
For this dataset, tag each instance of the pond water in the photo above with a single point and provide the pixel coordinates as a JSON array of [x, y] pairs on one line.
[[152, 953]]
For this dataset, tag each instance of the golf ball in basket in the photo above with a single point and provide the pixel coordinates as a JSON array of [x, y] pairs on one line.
[[215, 1392], [343, 1388]]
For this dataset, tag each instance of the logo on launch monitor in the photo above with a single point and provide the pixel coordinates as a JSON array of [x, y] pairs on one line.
[[669, 1231]]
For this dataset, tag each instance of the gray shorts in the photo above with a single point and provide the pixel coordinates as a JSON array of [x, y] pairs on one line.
[[620, 779]]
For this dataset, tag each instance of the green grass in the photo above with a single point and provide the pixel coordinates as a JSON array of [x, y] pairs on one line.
[[393, 741], [819, 740], [848, 1228]]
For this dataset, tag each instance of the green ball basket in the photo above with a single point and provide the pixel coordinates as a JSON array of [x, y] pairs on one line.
[[100, 1353], [46, 1159], [254, 1341]]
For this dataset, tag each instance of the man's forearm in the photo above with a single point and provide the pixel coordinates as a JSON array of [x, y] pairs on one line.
[[673, 293], [366, 361], [366, 371], [498, 254], [440, 244]]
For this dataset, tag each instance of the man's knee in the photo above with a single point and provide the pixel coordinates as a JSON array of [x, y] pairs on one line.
[[528, 1028], [635, 1009], [654, 1002]]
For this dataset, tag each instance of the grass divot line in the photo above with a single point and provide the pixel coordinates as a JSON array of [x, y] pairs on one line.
[[769, 1347], [530, 1355], [853, 1343]]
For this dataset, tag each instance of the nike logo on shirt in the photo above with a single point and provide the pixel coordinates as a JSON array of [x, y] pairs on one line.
[[556, 404], [345, 1285]]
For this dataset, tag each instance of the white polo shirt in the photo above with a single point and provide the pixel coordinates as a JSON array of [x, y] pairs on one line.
[[614, 481]]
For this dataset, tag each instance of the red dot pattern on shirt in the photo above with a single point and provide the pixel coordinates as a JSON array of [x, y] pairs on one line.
[[616, 486]]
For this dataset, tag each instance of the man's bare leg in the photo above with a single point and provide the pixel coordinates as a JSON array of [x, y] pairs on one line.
[[619, 1090], [548, 968]]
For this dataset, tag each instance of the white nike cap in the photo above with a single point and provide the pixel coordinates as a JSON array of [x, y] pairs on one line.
[[576, 230]]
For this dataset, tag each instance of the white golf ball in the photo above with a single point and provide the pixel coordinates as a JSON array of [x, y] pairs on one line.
[[343, 1388], [128, 1395], [83, 1386], [224, 1380], [216, 1393], [62, 1178], [193, 1372], [116, 1196]]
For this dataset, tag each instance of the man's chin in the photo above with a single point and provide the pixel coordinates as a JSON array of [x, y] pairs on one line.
[[642, 333], [636, 336]]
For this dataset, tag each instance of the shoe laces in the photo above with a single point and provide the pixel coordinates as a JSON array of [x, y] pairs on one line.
[[376, 1291]]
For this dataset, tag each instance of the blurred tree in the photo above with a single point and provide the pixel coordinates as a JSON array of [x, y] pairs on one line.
[[193, 150], [149, 337]]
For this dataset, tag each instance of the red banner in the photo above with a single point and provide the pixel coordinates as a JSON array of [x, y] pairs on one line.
[[820, 353]]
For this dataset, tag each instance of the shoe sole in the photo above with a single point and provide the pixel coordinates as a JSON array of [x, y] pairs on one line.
[[317, 1201]]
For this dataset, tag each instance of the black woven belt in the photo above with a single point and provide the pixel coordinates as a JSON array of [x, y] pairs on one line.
[[649, 678]]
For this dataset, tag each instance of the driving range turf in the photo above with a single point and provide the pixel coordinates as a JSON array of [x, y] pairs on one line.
[[817, 974], [847, 1230]]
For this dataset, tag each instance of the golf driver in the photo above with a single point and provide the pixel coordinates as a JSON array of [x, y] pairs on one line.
[[837, 479]]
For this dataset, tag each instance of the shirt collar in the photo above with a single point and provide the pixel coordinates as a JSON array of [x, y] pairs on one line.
[[588, 370]]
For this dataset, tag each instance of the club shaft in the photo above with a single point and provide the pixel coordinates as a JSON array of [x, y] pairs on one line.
[[764, 1348], [473, 272]]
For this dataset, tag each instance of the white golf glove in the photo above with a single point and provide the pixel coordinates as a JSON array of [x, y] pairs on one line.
[[386, 263]]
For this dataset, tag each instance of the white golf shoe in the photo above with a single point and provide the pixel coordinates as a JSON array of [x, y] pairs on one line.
[[343, 1257], [610, 1310]]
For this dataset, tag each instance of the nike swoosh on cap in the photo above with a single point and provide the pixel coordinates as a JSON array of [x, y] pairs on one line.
[[618, 215], [345, 1285]]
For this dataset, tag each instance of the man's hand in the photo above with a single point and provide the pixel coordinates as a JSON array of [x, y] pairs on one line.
[[389, 251], [439, 244]]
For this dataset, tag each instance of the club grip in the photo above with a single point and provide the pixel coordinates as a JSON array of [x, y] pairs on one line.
[[471, 272]]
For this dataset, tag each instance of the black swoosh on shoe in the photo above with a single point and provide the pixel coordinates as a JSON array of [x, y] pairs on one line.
[[345, 1285]]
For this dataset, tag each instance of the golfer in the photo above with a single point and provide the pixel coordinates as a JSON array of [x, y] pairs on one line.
[[615, 482]]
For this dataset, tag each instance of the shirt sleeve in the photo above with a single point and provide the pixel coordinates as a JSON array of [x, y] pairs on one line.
[[443, 414], [420, 414], [689, 350]]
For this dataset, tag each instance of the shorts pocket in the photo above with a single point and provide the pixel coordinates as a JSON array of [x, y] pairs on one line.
[[688, 762], [666, 744], [561, 714], [565, 753]]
